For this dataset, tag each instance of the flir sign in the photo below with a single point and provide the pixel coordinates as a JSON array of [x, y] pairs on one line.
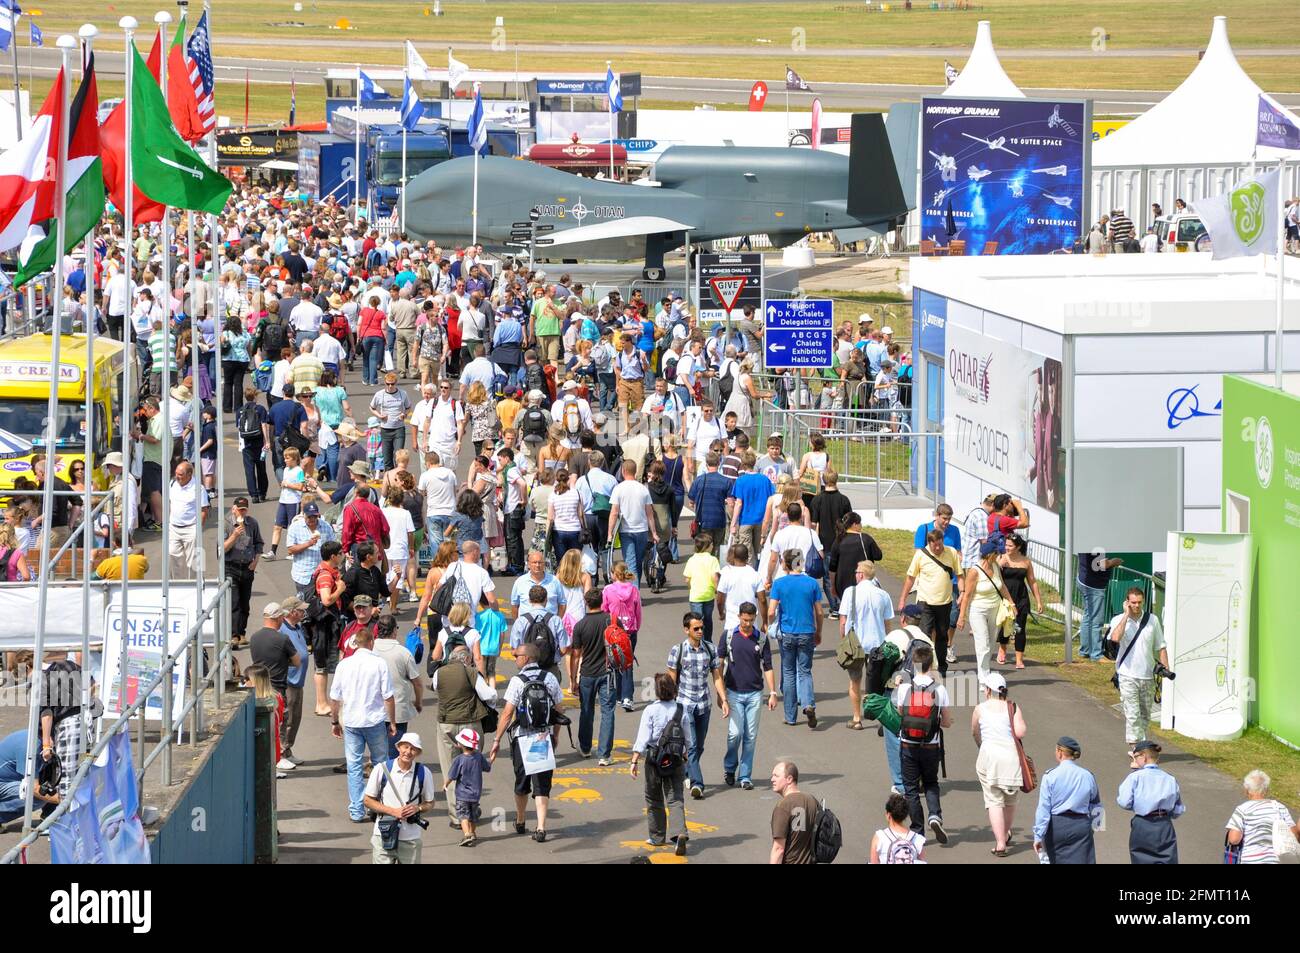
[[798, 333]]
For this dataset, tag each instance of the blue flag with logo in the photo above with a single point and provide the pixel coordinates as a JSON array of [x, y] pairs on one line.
[[1275, 128], [412, 108], [9, 12], [477, 128], [36, 37], [614, 90], [370, 90]]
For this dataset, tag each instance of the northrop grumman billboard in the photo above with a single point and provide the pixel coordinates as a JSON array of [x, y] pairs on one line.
[[1012, 171]]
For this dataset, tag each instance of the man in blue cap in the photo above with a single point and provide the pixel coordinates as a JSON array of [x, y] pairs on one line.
[[1068, 804], [1153, 796]]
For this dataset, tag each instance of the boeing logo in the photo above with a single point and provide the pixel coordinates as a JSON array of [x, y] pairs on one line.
[[1183, 405], [930, 320]]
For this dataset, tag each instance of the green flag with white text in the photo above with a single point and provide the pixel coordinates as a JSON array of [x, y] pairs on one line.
[[163, 166]]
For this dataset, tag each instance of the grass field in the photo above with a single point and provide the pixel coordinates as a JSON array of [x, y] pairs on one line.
[[1255, 749]]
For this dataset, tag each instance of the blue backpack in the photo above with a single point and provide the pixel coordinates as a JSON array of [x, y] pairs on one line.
[[415, 644], [262, 375]]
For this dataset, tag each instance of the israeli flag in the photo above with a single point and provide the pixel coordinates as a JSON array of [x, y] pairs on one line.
[[412, 108], [477, 128], [614, 90], [370, 90], [9, 12], [37, 38]]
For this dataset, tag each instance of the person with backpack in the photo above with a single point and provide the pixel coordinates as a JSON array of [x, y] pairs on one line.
[[664, 739], [538, 626], [397, 792], [794, 819], [747, 667], [694, 665], [602, 652], [926, 710], [896, 843], [253, 424], [533, 700]]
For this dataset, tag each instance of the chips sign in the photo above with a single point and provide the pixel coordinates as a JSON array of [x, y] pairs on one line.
[[727, 291]]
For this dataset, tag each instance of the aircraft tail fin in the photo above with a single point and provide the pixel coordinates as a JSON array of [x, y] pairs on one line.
[[875, 193]]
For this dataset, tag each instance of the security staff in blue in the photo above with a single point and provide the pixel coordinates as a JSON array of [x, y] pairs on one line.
[[1068, 803], [1153, 797]]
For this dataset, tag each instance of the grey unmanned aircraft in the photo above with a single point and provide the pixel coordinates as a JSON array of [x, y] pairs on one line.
[[698, 192]]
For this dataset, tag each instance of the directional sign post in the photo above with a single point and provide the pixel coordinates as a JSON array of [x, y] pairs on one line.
[[727, 290], [748, 265], [798, 332]]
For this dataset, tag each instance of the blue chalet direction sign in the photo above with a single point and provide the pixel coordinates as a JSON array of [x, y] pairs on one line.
[[798, 332]]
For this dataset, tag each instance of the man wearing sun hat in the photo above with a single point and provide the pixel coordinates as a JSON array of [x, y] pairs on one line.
[[401, 789]]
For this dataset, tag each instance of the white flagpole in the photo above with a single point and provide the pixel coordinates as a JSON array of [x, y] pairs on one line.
[[87, 33], [214, 246], [356, 160], [474, 146], [1279, 339], [406, 78], [609, 67], [66, 44]]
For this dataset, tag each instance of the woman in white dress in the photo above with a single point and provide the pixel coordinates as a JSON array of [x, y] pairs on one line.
[[743, 393], [998, 766]]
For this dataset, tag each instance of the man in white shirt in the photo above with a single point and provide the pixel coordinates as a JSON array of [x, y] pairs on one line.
[[419, 417], [403, 791], [1150, 242], [118, 293], [794, 536], [363, 714], [700, 436], [738, 583], [570, 396], [306, 317], [866, 609], [188, 503], [438, 483], [446, 425], [630, 501], [327, 349], [596, 491], [480, 370], [1141, 640]]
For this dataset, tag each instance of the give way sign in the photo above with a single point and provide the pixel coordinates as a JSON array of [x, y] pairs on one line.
[[727, 290]]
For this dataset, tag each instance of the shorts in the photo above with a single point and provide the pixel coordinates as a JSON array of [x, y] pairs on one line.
[[468, 811], [428, 365], [397, 569], [284, 514], [150, 479], [326, 655], [539, 785], [631, 393], [998, 795], [208, 466]]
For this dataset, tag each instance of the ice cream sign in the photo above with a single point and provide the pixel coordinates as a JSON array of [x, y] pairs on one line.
[[36, 371]]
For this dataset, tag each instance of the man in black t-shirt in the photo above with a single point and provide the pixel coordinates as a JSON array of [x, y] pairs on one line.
[[588, 668], [826, 510], [272, 648], [57, 519], [365, 578]]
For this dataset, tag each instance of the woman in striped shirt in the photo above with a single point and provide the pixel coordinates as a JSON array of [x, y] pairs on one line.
[[1251, 824]]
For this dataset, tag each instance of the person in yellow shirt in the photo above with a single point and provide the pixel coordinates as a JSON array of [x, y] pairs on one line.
[[702, 571], [137, 565], [936, 573], [508, 408]]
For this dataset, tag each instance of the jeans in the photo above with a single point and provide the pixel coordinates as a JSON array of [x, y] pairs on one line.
[[355, 743], [255, 468], [1094, 601], [566, 540], [1136, 696], [607, 384], [705, 609], [699, 715], [591, 691], [392, 439], [373, 359], [921, 769], [436, 529], [742, 733], [634, 547], [12, 805], [626, 681], [330, 464], [894, 758], [796, 673]]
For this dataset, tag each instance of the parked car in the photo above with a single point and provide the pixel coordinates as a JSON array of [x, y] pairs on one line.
[[1183, 231]]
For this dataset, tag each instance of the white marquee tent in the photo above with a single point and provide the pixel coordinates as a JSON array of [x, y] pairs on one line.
[[1210, 118], [983, 75]]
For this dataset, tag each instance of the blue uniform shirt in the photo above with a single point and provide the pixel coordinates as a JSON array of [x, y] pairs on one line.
[[1150, 789], [1067, 787]]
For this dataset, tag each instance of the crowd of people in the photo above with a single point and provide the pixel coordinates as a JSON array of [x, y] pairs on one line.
[[603, 423]]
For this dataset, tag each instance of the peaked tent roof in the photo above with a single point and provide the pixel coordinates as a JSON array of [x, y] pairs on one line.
[[1210, 118], [983, 74]]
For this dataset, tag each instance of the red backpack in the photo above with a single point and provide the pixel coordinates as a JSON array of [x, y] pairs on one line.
[[618, 648], [920, 716]]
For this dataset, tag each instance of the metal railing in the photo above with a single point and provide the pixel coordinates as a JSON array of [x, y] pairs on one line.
[[1048, 561]]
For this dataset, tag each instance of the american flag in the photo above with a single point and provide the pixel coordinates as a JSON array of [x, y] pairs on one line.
[[198, 51]]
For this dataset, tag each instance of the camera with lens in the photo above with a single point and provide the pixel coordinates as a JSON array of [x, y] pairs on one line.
[[1163, 672]]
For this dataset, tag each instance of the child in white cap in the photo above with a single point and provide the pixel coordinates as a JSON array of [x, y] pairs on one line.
[[466, 773]]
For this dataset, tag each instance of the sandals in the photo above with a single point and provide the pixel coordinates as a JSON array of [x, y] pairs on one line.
[[998, 853], [856, 726]]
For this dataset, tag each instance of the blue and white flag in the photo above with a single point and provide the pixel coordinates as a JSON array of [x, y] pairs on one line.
[[477, 128], [412, 108], [1275, 128], [614, 90], [36, 37], [9, 13], [370, 90]]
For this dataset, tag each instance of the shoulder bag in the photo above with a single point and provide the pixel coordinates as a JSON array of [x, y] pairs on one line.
[[849, 653], [1028, 776], [1005, 623], [1142, 624]]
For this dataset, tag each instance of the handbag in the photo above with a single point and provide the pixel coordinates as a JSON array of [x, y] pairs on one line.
[[291, 436], [849, 653], [1028, 776], [1284, 842], [1231, 851]]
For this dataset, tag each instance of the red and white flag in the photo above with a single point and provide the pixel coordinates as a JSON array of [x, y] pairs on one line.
[[758, 97], [29, 171], [816, 122]]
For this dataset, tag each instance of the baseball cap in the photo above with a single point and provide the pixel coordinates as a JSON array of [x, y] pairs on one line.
[[310, 509], [362, 600], [273, 610], [994, 682], [570, 385], [241, 502], [292, 604]]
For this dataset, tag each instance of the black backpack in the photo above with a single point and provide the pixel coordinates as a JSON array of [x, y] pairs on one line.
[[879, 668], [274, 339], [828, 837], [249, 426], [670, 750], [534, 424], [445, 597], [535, 378], [726, 383], [539, 634], [455, 639], [536, 707]]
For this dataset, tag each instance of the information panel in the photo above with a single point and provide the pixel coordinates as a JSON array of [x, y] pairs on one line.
[[798, 332]]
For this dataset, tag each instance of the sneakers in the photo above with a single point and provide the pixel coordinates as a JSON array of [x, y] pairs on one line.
[[936, 827], [290, 757], [413, 597], [952, 656], [627, 704], [746, 784], [730, 779], [604, 763], [834, 614], [468, 841], [268, 555], [811, 714], [284, 764], [697, 791], [893, 789]]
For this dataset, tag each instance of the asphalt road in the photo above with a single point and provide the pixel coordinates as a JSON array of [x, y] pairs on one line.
[[597, 813]]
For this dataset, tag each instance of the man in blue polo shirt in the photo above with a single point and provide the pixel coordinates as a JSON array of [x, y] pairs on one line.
[[285, 413], [709, 494], [942, 520], [751, 492]]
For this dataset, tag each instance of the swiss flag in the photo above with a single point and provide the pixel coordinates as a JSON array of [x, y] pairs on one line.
[[757, 97], [112, 146]]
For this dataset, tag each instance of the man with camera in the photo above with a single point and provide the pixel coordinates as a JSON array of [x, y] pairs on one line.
[[1138, 642], [397, 792]]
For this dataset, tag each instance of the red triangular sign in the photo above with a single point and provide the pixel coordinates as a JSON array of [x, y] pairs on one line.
[[727, 291]]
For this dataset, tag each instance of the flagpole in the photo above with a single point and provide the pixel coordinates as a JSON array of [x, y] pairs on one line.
[[66, 43], [18, 92], [29, 57], [128, 25], [214, 244], [474, 145], [1279, 338], [609, 66], [447, 114], [406, 79], [356, 160], [87, 33]]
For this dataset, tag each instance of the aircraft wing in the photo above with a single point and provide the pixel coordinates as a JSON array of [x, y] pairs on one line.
[[634, 226]]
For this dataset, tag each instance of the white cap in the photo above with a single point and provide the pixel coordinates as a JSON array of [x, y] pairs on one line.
[[886, 330], [412, 739], [570, 385], [994, 682]]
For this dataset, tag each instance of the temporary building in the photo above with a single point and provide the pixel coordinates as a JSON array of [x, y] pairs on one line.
[[1209, 119], [983, 75]]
